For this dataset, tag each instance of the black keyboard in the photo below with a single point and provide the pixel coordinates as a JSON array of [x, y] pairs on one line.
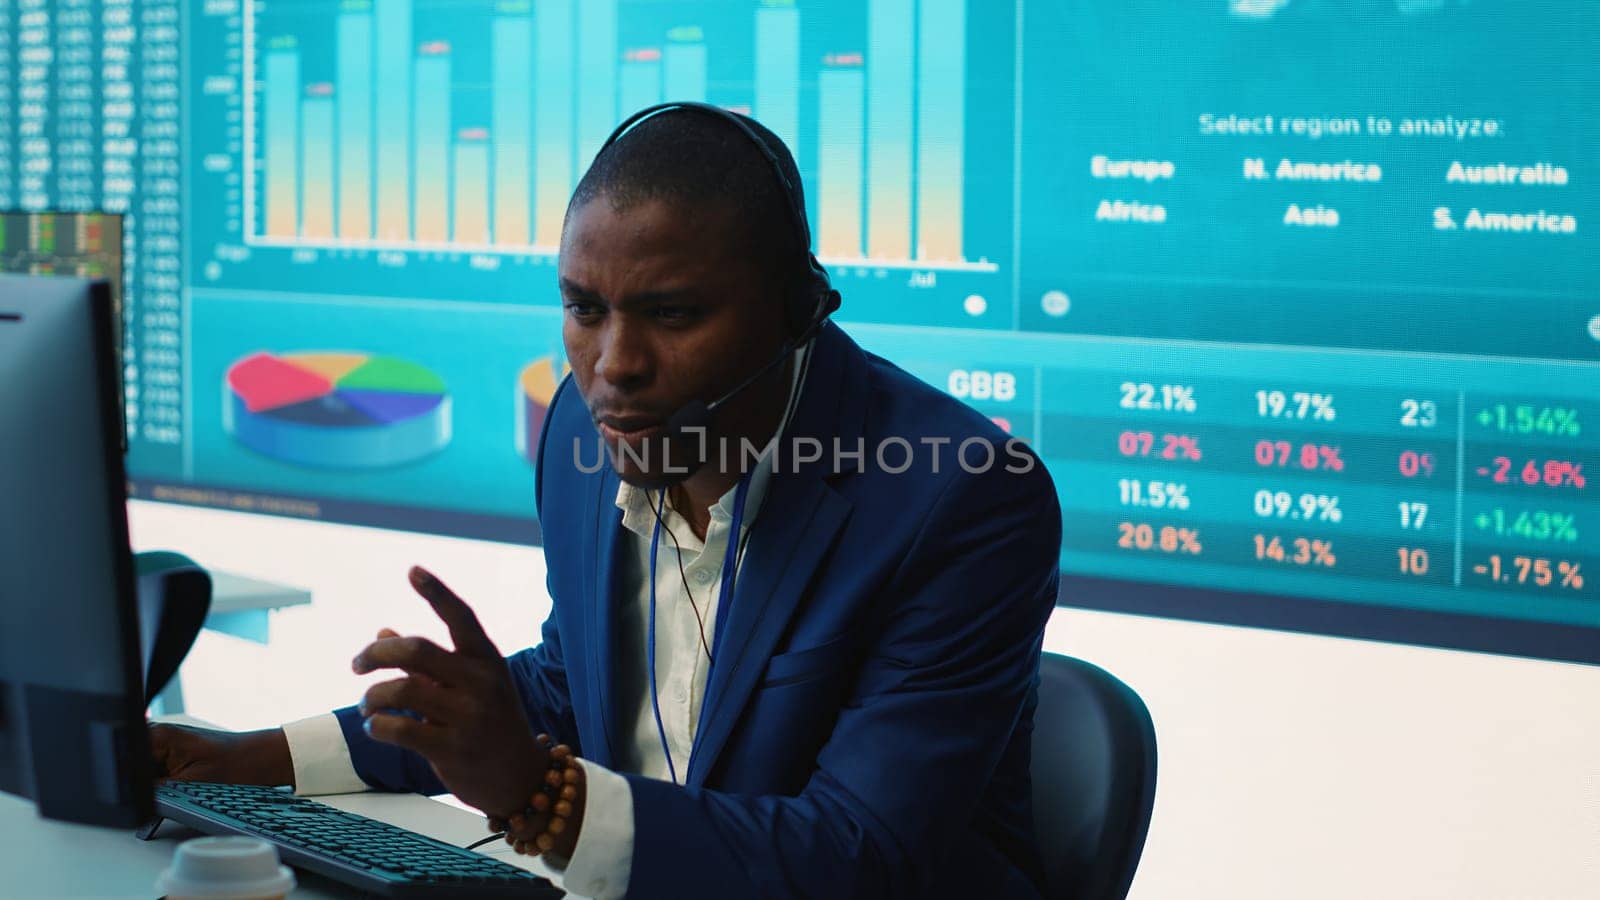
[[369, 855]]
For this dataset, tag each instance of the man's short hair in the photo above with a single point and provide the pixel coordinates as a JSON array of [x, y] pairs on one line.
[[698, 160]]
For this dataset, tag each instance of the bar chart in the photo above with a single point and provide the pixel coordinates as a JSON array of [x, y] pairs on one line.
[[409, 126]]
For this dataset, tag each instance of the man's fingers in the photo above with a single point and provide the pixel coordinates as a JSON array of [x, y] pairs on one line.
[[404, 731], [160, 746], [416, 655], [417, 695], [463, 623]]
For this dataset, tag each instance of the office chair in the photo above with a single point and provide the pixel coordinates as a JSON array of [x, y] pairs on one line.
[[174, 597], [1094, 779]]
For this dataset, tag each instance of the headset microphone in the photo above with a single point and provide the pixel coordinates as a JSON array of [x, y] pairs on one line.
[[696, 414]]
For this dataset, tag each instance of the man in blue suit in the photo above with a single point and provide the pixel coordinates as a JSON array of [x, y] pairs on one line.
[[821, 683]]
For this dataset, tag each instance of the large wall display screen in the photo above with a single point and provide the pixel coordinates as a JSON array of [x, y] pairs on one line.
[[1298, 299]]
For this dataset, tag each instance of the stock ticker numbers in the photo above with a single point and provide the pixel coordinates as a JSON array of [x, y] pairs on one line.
[[89, 124], [1526, 468], [1449, 491]]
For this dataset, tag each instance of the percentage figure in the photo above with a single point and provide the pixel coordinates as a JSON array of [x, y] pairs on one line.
[[1532, 570], [1533, 525], [1552, 421], [1297, 405], [1144, 444], [1153, 494], [1158, 397], [1297, 551], [1311, 457], [1309, 507], [1552, 473], [1414, 464], [1167, 539]]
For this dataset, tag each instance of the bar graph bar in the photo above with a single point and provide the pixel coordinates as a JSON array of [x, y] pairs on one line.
[[472, 188], [431, 125], [511, 57], [941, 129], [354, 104], [369, 149], [392, 20], [641, 79], [597, 77], [316, 162], [684, 65], [778, 70], [553, 160], [841, 87], [890, 69], [282, 120]]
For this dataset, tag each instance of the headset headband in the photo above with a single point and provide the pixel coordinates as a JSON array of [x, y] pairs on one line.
[[818, 281], [731, 118]]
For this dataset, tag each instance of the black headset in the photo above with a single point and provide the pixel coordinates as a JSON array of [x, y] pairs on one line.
[[807, 305]]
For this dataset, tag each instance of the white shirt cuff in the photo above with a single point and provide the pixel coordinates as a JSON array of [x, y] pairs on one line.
[[603, 860], [321, 758]]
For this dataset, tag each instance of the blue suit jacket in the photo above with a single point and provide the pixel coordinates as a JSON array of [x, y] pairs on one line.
[[867, 721]]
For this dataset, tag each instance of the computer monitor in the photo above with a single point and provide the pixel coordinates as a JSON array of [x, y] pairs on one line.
[[72, 732]]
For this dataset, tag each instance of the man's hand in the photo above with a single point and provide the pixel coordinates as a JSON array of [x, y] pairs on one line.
[[459, 709], [183, 753]]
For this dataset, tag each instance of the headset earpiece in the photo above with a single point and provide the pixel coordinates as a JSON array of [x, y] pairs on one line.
[[808, 300]]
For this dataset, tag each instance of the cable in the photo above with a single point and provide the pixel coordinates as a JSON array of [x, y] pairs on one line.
[[655, 692], [683, 576]]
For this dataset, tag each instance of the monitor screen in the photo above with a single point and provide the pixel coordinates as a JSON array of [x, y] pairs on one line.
[[72, 735], [1296, 298]]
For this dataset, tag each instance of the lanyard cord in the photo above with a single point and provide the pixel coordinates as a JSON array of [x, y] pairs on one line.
[[655, 699], [730, 566], [683, 579]]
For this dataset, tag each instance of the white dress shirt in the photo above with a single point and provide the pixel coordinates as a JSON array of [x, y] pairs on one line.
[[603, 859]]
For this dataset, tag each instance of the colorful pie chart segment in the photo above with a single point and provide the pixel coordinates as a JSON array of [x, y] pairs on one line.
[[336, 410], [536, 388]]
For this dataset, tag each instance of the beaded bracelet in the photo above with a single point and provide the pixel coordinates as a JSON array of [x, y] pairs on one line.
[[556, 796]]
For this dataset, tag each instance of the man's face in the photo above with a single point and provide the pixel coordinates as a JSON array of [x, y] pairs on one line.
[[663, 307]]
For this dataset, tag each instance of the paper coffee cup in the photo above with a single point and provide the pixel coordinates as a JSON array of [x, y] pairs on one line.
[[225, 868]]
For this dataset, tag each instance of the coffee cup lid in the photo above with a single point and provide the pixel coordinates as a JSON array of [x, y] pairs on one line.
[[225, 868]]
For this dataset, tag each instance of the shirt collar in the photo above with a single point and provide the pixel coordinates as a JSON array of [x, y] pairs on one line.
[[637, 504]]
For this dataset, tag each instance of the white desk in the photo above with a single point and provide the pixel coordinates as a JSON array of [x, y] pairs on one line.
[[44, 859], [240, 607]]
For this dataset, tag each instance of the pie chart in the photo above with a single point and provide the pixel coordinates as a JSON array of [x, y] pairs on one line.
[[536, 388], [336, 410]]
